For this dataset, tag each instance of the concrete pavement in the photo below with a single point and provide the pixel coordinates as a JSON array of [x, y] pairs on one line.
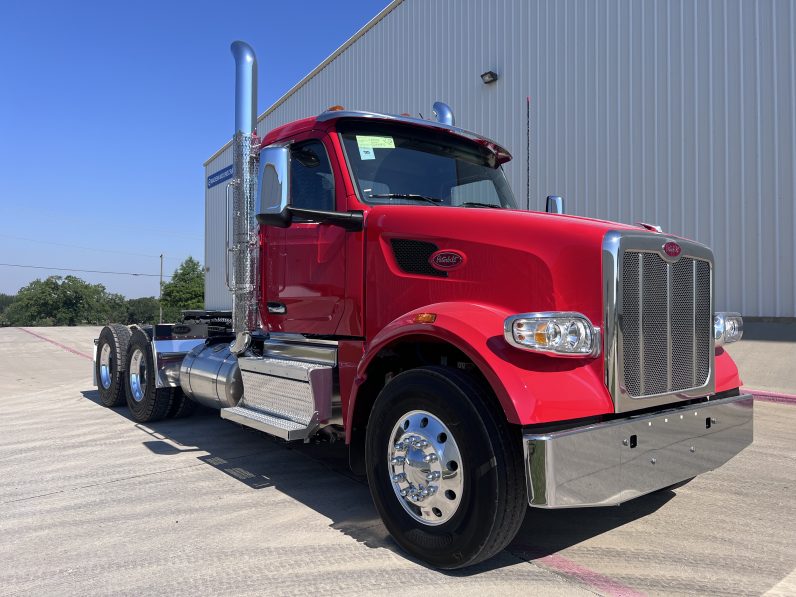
[[93, 503], [766, 356]]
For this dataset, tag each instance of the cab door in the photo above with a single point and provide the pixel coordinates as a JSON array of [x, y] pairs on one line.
[[305, 287]]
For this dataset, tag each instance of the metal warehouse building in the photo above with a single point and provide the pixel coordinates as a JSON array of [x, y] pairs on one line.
[[674, 112]]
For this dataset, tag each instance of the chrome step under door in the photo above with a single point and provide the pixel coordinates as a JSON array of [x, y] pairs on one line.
[[286, 398]]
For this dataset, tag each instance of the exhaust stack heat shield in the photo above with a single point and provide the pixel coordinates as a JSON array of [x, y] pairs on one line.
[[245, 314]]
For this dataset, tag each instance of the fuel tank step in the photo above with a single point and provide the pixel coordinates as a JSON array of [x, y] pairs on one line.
[[284, 397], [273, 425]]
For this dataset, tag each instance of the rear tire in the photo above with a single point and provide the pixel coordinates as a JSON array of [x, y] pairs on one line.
[[181, 405], [439, 413], [146, 402], [110, 364]]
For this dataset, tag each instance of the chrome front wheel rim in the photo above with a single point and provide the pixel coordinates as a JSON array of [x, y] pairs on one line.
[[105, 366], [138, 375], [425, 467]]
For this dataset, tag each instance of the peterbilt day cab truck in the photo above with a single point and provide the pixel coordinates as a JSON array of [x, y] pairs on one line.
[[475, 357]]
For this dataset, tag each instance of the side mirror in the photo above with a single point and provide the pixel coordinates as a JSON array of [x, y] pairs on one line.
[[555, 204], [273, 184]]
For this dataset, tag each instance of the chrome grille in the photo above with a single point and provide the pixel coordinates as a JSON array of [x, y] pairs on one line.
[[666, 323]]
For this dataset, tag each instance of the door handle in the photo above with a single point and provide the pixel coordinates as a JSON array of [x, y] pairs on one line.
[[277, 308]]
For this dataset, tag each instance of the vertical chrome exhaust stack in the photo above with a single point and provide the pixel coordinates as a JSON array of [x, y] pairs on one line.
[[245, 310]]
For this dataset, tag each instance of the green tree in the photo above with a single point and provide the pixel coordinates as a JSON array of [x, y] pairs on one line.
[[64, 301], [186, 290], [5, 301], [143, 310]]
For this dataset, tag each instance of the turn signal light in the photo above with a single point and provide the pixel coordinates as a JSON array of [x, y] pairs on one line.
[[554, 333], [425, 318]]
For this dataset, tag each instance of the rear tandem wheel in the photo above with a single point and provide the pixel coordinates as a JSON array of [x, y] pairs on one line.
[[110, 363], [146, 402]]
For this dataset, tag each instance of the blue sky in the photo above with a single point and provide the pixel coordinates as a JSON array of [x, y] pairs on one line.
[[109, 109]]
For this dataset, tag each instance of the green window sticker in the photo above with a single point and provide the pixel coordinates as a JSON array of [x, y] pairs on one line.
[[367, 143]]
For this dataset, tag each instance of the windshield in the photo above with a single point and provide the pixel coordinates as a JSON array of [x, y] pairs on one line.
[[399, 165]]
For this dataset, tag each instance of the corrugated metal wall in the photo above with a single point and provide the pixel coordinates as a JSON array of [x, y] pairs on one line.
[[674, 112], [217, 296]]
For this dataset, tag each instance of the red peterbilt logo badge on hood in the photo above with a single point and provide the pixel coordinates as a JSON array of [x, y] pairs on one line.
[[446, 259], [672, 249]]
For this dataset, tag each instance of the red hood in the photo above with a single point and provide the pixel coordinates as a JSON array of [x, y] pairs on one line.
[[516, 260], [566, 220]]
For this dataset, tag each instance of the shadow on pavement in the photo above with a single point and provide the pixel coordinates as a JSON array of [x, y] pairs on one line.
[[545, 532], [297, 470]]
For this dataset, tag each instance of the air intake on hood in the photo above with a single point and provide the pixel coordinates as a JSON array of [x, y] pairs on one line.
[[413, 257]]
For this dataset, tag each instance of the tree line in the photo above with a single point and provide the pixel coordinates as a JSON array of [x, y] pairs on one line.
[[68, 300]]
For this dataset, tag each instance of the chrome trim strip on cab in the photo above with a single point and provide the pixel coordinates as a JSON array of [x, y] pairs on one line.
[[298, 348]]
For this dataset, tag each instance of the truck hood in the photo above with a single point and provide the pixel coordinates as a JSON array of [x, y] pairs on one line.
[[519, 261]]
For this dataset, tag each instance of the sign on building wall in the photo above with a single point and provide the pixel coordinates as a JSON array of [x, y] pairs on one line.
[[219, 177]]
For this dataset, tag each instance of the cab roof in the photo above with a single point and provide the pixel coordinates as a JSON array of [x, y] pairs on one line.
[[501, 154]]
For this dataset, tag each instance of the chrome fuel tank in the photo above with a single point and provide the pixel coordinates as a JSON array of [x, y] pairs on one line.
[[210, 376]]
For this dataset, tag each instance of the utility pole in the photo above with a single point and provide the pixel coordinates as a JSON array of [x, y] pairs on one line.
[[160, 295]]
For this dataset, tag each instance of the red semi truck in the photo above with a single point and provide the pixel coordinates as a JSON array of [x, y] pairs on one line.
[[476, 358]]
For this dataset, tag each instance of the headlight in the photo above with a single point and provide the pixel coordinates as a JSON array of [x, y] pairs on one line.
[[555, 333], [727, 327]]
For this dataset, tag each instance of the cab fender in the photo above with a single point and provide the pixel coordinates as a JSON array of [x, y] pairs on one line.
[[530, 387]]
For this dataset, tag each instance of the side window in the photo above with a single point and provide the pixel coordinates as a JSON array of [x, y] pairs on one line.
[[311, 178]]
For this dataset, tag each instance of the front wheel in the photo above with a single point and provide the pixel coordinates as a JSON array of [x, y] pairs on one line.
[[445, 471]]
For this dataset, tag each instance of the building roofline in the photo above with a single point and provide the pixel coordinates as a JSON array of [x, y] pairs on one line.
[[348, 43]]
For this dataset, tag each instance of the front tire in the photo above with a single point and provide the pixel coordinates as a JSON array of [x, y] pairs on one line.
[[445, 471], [146, 402], [110, 364]]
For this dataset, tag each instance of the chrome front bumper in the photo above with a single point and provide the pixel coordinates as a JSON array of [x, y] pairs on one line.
[[609, 463]]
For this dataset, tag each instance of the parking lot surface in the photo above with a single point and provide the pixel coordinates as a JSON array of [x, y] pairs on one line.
[[94, 503]]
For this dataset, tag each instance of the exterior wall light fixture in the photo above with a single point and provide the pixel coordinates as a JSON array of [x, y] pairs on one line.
[[489, 76]]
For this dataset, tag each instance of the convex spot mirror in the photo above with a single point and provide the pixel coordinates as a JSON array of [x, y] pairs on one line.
[[273, 187]]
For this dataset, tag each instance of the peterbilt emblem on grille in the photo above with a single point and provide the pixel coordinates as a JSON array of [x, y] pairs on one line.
[[672, 249], [446, 259]]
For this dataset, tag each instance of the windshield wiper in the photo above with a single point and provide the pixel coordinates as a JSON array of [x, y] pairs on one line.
[[477, 204], [410, 196]]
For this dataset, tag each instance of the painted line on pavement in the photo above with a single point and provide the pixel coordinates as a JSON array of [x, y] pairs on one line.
[[771, 396], [567, 567], [58, 344]]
